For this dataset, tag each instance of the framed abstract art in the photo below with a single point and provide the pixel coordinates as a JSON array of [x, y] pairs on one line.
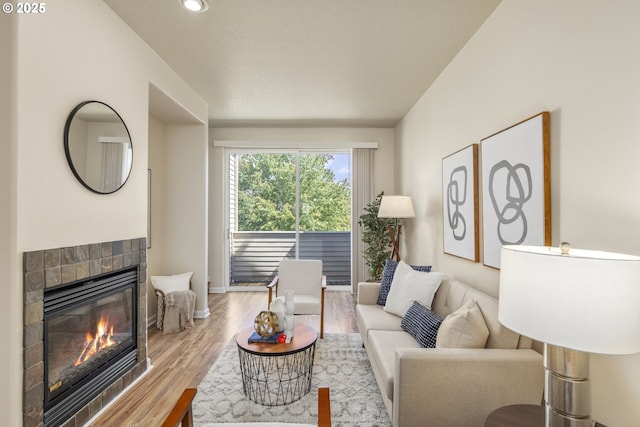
[[516, 187], [460, 203]]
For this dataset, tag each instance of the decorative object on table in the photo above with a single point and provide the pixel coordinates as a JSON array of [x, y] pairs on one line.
[[305, 279], [516, 187], [266, 323], [375, 238], [289, 309], [277, 308], [396, 207], [255, 337], [576, 302], [460, 204]]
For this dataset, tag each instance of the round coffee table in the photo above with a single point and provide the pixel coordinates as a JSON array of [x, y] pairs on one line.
[[277, 374]]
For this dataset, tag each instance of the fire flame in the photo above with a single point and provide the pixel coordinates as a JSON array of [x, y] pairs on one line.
[[93, 345]]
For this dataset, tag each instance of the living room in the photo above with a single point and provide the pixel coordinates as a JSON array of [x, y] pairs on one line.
[[575, 59]]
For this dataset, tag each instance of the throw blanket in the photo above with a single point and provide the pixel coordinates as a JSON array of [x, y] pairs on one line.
[[179, 308]]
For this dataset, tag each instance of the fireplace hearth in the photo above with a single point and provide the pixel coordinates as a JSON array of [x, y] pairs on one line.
[[89, 340], [85, 331]]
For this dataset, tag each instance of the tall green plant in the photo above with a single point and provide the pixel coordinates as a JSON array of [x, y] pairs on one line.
[[376, 238]]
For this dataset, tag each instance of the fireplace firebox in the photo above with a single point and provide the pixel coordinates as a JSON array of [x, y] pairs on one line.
[[90, 340]]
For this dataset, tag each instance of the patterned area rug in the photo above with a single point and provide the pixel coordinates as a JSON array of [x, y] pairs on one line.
[[340, 363]]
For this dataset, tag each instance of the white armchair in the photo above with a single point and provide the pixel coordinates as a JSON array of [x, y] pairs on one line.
[[308, 283]]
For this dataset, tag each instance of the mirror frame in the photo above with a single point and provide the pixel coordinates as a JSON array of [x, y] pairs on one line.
[[67, 150]]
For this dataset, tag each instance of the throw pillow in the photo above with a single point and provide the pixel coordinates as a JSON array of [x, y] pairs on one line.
[[175, 283], [387, 278], [464, 328], [422, 324], [410, 285]]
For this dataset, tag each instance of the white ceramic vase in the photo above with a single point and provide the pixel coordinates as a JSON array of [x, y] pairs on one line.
[[289, 320], [288, 301], [277, 307], [289, 325]]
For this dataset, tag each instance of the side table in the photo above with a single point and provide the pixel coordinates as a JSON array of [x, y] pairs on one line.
[[277, 374], [517, 416]]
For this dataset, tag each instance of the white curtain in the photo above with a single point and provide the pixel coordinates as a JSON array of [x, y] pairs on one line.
[[112, 167], [362, 194]]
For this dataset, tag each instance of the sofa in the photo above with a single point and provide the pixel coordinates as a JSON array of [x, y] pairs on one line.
[[447, 387]]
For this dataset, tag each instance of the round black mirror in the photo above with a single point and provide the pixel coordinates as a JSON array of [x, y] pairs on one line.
[[98, 147]]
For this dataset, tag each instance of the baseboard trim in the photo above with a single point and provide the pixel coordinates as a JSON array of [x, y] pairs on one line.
[[201, 314]]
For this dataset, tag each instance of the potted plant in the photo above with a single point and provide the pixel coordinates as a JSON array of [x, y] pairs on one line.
[[375, 237]]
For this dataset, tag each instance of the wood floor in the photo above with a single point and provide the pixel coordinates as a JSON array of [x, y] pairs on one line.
[[182, 359]]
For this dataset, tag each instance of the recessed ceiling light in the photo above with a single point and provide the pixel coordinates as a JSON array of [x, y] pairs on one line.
[[195, 5]]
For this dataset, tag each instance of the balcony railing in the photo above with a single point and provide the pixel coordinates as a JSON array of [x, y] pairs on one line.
[[255, 255]]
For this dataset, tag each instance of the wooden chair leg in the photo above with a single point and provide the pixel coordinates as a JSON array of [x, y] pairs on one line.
[[322, 314], [324, 407], [182, 412]]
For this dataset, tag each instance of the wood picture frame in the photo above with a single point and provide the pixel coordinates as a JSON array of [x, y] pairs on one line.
[[516, 187], [460, 204]]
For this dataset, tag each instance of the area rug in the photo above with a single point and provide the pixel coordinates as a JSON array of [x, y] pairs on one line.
[[340, 363]]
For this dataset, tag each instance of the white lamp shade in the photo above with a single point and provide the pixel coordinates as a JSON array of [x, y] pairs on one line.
[[396, 207], [587, 300]]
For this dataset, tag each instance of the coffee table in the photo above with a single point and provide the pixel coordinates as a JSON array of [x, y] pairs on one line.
[[277, 374]]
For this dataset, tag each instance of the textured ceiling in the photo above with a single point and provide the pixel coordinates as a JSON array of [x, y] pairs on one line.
[[333, 62]]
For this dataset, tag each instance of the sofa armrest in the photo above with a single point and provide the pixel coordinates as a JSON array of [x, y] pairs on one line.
[[368, 292], [461, 387]]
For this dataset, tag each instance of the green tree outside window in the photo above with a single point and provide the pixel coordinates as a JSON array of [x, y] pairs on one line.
[[267, 194]]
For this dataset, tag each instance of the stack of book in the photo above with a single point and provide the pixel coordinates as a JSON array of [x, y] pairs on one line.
[[278, 337], [257, 338]]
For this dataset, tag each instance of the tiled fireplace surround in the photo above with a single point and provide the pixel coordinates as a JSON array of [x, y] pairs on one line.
[[51, 267]]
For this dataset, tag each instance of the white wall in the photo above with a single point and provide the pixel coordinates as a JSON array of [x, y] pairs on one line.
[[185, 209], [11, 301], [65, 58], [383, 166], [156, 254], [77, 50], [579, 60]]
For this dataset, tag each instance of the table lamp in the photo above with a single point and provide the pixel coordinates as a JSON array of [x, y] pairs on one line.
[[396, 207], [575, 302]]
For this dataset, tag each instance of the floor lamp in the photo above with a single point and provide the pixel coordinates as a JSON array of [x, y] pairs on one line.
[[396, 207], [575, 302]]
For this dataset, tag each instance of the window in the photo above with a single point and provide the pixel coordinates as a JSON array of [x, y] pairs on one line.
[[289, 205]]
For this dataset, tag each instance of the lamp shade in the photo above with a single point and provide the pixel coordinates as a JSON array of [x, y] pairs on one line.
[[396, 207], [584, 300]]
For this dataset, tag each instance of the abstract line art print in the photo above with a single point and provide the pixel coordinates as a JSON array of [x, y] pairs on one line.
[[516, 187], [460, 203]]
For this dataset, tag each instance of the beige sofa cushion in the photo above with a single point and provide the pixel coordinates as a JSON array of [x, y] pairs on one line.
[[453, 294], [382, 355], [464, 328], [372, 316]]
